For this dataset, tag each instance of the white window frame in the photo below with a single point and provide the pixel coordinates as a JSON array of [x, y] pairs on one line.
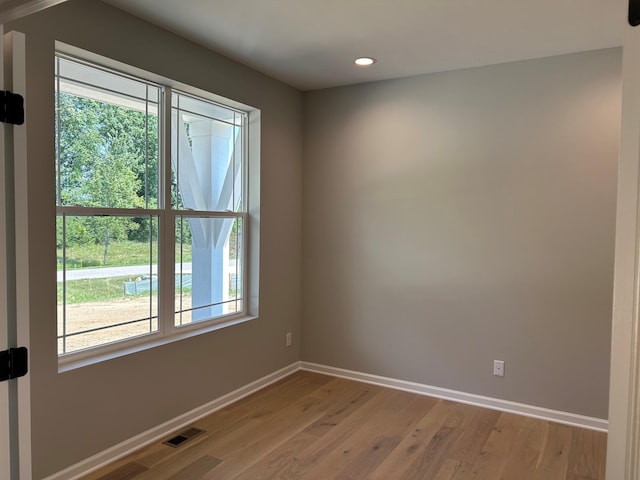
[[167, 330]]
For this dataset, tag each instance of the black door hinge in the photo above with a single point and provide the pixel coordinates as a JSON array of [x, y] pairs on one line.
[[11, 108], [634, 13], [14, 363]]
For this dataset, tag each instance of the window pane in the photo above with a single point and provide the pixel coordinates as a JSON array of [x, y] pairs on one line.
[[239, 165], [107, 279], [207, 156], [95, 82], [107, 138], [209, 259], [202, 108]]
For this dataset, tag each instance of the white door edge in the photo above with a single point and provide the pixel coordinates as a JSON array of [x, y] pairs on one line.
[[5, 455], [624, 402], [15, 81]]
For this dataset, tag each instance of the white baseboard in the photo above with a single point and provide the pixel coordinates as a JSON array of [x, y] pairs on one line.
[[566, 418], [157, 433]]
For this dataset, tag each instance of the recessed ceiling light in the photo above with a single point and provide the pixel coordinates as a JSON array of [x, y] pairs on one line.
[[364, 61]]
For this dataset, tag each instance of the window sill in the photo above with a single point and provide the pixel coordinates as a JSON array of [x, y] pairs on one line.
[[85, 358]]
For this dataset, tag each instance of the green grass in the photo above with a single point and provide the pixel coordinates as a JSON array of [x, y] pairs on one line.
[[98, 290], [121, 253], [95, 290]]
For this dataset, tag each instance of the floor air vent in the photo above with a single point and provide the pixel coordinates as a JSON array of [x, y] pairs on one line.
[[183, 437]]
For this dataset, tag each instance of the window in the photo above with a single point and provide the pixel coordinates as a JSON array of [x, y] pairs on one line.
[[149, 245]]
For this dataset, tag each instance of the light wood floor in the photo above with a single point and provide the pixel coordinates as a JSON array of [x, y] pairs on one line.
[[310, 426]]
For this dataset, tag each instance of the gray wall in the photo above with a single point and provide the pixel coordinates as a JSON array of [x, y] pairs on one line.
[[84, 411], [453, 219]]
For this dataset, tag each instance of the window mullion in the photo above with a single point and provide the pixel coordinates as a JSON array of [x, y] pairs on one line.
[[246, 231], [104, 211], [167, 223]]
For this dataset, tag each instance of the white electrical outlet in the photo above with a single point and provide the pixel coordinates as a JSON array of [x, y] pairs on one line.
[[288, 341], [498, 368]]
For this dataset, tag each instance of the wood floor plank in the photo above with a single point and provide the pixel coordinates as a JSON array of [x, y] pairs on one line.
[[406, 452], [587, 448], [358, 394], [449, 469], [278, 460], [196, 469], [554, 461], [474, 435], [361, 452], [438, 450], [378, 439], [525, 453], [128, 471], [369, 458], [491, 461], [310, 427]]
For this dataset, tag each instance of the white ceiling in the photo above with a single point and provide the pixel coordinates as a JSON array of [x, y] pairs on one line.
[[311, 44]]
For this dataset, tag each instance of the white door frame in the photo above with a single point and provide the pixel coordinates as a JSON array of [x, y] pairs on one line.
[[5, 452], [16, 154], [623, 456]]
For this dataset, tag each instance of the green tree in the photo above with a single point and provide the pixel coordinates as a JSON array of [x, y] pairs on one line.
[[114, 185], [107, 159]]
